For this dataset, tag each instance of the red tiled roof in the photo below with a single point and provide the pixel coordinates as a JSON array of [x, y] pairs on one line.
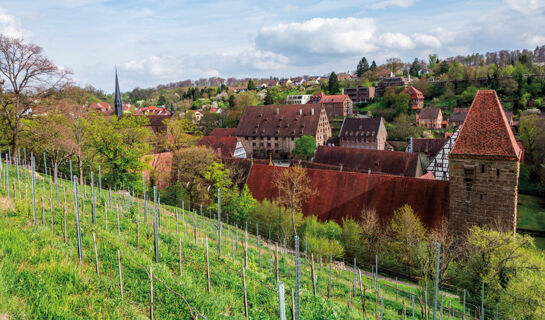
[[428, 146], [485, 133], [412, 91], [100, 106], [344, 194], [223, 132], [223, 146], [358, 127], [429, 113], [378, 161], [337, 98], [290, 120]]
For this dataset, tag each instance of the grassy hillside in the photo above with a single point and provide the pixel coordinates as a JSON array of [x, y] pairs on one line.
[[41, 276]]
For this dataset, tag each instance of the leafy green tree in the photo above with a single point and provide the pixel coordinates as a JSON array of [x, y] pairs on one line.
[[162, 101], [333, 84], [323, 238], [304, 146], [251, 85], [432, 61], [352, 237], [443, 67], [119, 145], [276, 219], [401, 102]]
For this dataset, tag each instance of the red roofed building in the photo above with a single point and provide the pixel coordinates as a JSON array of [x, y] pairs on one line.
[[370, 161], [225, 147], [335, 105], [484, 168], [344, 194], [152, 110], [430, 118], [270, 131], [104, 107], [417, 98], [223, 132]]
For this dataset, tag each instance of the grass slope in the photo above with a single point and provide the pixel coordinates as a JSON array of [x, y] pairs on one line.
[[41, 276]]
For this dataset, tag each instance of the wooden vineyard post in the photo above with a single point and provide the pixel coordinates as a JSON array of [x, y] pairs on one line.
[[246, 250], [292, 304], [276, 262], [312, 273], [77, 219], [93, 198], [155, 225], [52, 215], [64, 220], [120, 274], [176, 212], [362, 292], [138, 231], [33, 186], [329, 283], [151, 292], [43, 211], [118, 226], [96, 252], [245, 293], [207, 267], [180, 254]]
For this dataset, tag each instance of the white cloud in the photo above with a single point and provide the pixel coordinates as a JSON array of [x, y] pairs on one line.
[[396, 41], [10, 26], [527, 6], [393, 3], [426, 40], [319, 36], [535, 40]]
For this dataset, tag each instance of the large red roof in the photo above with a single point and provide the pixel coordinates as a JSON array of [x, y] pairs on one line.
[[413, 92], [344, 194], [223, 132], [485, 133], [378, 161], [223, 146], [336, 98]]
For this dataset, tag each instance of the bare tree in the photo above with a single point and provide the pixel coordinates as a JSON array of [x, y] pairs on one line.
[[294, 189], [26, 75]]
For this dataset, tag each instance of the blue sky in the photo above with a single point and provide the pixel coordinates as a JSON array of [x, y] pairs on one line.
[[159, 41]]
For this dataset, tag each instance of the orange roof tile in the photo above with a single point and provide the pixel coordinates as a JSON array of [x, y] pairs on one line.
[[485, 133]]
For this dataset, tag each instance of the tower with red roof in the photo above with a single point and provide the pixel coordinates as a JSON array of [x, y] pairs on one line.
[[483, 169]]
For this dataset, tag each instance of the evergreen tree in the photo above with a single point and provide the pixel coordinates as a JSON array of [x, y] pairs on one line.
[[373, 66], [333, 84], [162, 101], [269, 98], [415, 67], [363, 66], [232, 100], [251, 85]]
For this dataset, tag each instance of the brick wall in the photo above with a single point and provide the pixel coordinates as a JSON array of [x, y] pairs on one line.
[[483, 193]]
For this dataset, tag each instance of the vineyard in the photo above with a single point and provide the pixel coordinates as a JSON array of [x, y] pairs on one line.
[[77, 251]]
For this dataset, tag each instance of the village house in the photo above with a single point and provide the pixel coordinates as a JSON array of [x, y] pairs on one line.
[[103, 107], [417, 98], [298, 99], [430, 118], [391, 81], [360, 94], [152, 110], [270, 131], [224, 147], [335, 105], [223, 132], [363, 133], [458, 116]]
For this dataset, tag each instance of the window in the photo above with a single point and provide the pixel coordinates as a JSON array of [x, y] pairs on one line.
[[498, 172], [482, 168]]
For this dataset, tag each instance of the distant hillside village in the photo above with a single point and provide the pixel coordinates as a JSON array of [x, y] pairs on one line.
[[446, 137]]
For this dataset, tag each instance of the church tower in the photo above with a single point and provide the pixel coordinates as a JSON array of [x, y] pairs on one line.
[[118, 104], [484, 169]]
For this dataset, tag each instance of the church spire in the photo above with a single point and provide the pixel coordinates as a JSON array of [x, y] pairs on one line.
[[117, 100]]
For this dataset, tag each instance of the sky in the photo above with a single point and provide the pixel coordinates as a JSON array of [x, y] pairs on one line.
[[155, 42]]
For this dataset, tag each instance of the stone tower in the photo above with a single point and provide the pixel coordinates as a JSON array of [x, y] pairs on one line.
[[484, 169], [118, 104]]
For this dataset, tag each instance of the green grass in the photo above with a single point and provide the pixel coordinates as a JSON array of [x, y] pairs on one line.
[[531, 212], [41, 277]]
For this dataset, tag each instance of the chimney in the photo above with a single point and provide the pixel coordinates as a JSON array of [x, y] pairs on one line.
[[341, 167], [369, 171], [277, 110], [300, 111], [312, 111]]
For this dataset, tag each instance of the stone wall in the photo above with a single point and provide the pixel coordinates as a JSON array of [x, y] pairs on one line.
[[483, 193]]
